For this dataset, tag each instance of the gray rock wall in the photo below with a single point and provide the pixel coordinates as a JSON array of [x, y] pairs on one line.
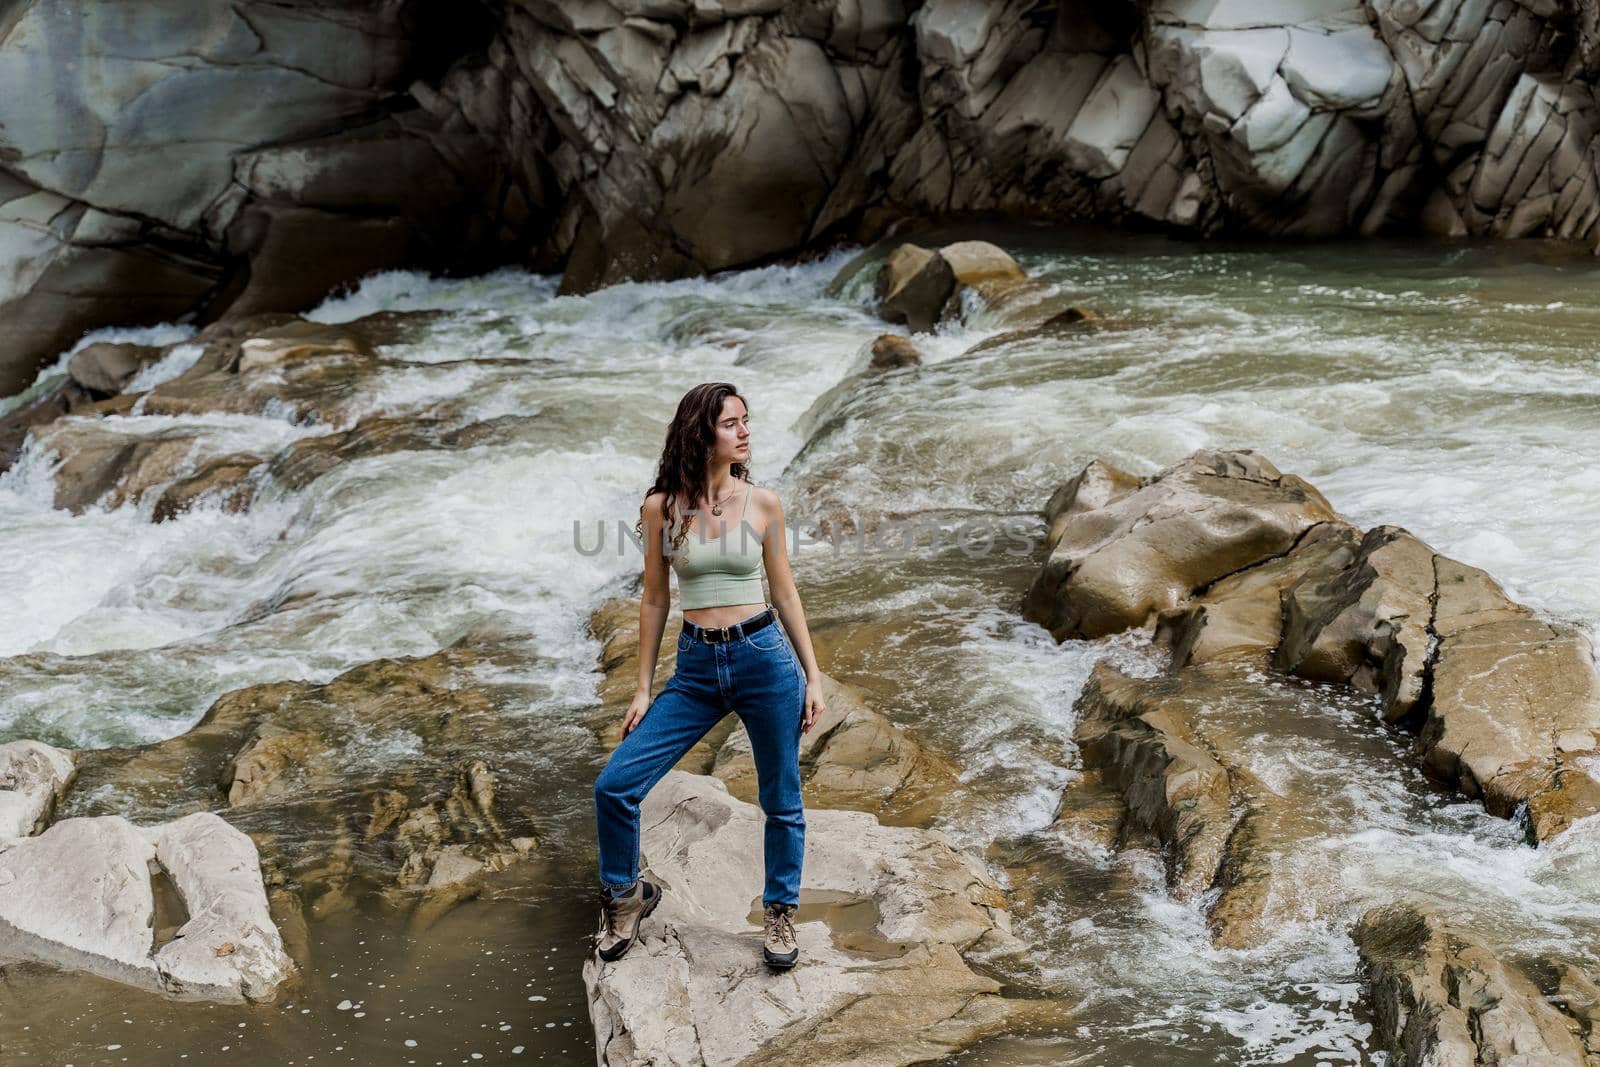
[[168, 159]]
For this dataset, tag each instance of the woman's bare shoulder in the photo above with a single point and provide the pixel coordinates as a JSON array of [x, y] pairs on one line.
[[763, 494]]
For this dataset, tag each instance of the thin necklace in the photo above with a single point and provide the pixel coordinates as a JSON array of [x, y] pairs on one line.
[[716, 509]]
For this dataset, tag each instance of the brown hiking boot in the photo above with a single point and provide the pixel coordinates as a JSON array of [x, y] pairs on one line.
[[779, 948], [620, 918]]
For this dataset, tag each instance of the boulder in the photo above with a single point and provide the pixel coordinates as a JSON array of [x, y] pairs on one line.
[[1361, 618], [892, 350], [81, 896], [1515, 714], [104, 368], [1119, 564], [1441, 997], [1508, 704], [1234, 561], [914, 285], [886, 916], [33, 777], [919, 287], [1241, 617]]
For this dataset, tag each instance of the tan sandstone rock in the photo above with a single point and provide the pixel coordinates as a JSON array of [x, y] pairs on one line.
[[1118, 564], [1443, 999]]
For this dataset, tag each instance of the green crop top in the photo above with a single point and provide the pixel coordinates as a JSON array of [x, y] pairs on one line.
[[713, 572]]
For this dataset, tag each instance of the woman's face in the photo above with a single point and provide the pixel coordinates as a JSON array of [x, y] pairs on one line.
[[733, 432]]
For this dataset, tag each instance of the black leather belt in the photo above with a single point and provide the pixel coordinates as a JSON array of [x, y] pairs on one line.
[[714, 634]]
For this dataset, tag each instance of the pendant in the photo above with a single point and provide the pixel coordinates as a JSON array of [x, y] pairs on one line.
[[716, 509]]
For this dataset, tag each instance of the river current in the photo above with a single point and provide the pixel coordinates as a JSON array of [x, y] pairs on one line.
[[1447, 388]]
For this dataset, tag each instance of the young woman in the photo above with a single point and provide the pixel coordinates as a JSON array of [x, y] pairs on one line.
[[718, 529]]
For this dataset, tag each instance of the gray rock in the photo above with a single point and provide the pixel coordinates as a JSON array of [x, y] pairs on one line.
[[33, 777], [79, 896], [888, 987], [262, 154]]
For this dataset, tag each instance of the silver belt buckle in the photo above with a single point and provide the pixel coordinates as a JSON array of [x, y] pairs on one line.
[[707, 631]]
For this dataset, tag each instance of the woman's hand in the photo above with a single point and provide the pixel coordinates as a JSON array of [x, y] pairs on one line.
[[636, 709], [814, 705]]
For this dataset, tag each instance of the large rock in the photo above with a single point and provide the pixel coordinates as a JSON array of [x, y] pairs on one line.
[[1130, 550], [1178, 753], [1232, 560], [1362, 618], [81, 896], [1509, 703], [33, 777], [1241, 617], [886, 916], [1440, 997], [919, 286]]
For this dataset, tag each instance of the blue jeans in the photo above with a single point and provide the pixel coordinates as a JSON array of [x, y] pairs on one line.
[[757, 677]]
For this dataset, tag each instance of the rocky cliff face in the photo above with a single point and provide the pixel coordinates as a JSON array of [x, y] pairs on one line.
[[252, 156]]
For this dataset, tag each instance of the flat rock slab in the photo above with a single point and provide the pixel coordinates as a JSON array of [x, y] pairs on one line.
[[890, 988], [80, 896]]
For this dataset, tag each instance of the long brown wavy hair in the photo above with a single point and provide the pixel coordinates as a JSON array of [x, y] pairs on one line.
[[690, 437]]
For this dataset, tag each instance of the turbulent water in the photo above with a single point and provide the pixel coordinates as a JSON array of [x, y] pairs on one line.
[[1450, 389]]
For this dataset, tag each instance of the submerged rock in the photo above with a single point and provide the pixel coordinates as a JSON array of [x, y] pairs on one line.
[[1176, 751], [420, 827], [886, 985], [892, 350], [276, 366], [105, 368], [81, 896], [1442, 998]]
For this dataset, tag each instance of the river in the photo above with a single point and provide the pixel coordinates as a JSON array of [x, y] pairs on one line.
[[1447, 388]]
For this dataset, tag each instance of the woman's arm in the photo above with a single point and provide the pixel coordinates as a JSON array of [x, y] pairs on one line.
[[657, 599], [786, 600]]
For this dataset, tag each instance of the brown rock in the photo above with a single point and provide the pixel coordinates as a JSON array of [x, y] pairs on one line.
[[420, 827], [1362, 619], [1241, 616], [892, 350], [105, 368], [1440, 997], [1121, 564], [1516, 705], [914, 286]]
